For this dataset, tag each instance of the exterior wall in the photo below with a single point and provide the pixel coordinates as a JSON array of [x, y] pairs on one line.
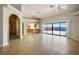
[[72, 21]]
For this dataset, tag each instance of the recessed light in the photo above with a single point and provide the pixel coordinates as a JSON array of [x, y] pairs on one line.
[[51, 6]]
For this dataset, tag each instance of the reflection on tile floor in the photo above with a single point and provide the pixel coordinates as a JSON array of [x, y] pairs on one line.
[[41, 44]]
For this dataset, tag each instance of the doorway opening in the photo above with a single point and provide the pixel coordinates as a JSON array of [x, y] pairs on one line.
[[14, 27]]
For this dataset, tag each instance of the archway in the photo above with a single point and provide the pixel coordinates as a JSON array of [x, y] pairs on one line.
[[14, 27]]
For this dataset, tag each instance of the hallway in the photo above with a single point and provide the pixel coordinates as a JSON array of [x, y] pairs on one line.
[[41, 44]]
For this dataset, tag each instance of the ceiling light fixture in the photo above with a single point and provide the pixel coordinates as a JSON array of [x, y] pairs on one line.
[[59, 7]]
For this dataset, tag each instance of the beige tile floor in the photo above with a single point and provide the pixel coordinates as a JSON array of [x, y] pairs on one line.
[[41, 44]]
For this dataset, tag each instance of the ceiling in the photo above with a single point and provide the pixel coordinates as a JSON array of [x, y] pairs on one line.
[[45, 10]]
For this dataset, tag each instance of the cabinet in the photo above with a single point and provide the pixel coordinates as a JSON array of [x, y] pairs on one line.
[[33, 30]]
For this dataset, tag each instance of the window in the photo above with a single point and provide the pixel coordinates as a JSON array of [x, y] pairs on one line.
[[47, 28], [58, 28], [63, 27]]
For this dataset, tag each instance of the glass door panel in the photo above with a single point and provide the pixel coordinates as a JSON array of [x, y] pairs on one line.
[[49, 28], [44, 28], [56, 28], [63, 27]]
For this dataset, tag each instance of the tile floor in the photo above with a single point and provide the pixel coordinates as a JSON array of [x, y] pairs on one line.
[[41, 44]]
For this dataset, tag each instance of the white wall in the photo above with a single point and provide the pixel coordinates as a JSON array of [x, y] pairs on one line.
[[1, 25], [17, 6], [73, 29], [25, 25], [7, 11], [77, 27]]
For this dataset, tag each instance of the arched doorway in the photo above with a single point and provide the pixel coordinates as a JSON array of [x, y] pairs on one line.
[[14, 27]]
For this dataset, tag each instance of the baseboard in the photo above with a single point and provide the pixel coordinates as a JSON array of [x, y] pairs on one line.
[[74, 38], [5, 44], [2, 45]]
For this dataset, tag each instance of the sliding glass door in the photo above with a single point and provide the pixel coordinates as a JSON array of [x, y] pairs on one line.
[[58, 28], [44, 28], [63, 27], [47, 28]]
